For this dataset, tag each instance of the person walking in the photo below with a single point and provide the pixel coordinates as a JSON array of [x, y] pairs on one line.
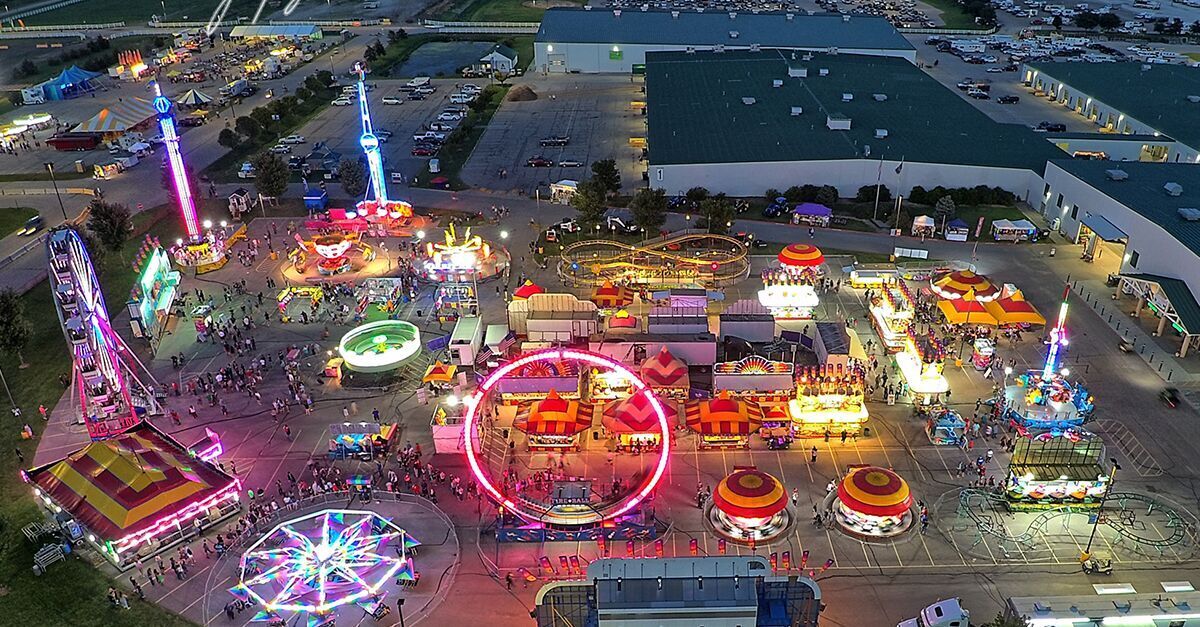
[[813, 455], [508, 580]]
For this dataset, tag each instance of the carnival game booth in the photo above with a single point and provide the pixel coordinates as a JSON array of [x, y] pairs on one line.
[[873, 503], [363, 441], [945, 428], [749, 506], [667, 375], [605, 385], [829, 401], [440, 375], [1052, 469], [527, 289], [723, 422], [535, 380], [776, 427], [921, 365], [134, 494], [554, 423], [1035, 400], [633, 422], [153, 294], [755, 378], [609, 296], [892, 310]]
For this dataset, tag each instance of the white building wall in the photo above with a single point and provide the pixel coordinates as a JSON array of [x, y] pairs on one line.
[[1117, 150], [752, 179], [1101, 114], [1158, 251], [589, 58]]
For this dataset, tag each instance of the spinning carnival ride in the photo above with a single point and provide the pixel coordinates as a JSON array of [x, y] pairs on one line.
[[203, 250], [111, 396], [381, 207]]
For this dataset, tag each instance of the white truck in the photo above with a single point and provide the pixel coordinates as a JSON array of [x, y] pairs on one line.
[[945, 613], [416, 83]]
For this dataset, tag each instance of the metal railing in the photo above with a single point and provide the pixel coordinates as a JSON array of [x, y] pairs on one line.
[[949, 31], [483, 27], [53, 28]]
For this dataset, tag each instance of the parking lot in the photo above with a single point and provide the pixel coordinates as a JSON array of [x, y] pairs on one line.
[[593, 110]]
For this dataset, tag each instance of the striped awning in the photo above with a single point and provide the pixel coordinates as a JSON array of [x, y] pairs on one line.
[[750, 493], [119, 486], [664, 370], [543, 368], [1014, 309], [965, 284], [961, 311], [119, 117], [438, 372], [554, 415], [610, 296], [723, 416], [631, 415]]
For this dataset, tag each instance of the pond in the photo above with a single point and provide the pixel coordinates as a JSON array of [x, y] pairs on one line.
[[442, 56]]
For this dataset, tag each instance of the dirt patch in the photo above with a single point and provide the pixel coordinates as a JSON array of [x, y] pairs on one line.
[[548, 4], [521, 93]]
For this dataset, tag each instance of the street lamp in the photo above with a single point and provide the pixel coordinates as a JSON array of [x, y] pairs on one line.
[[50, 169], [503, 234], [1112, 479]]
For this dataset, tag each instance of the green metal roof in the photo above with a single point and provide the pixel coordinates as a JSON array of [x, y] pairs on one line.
[[697, 115], [1143, 192], [689, 28], [1180, 295], [1156, 96]]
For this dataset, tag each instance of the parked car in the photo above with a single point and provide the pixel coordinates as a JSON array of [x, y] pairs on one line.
[[555, 140], [293, 139], [247, 171], [470, 88], [567, 225], [429, 135], [570, 163], [1052, 127], [383, 134], [342, 102], [449, 116], [539, 162], [416, 95], [392, 100], [31, 226], [441, 126], [1008, 99], [296, 163], [280, 149], [424, 150], [978, 94]]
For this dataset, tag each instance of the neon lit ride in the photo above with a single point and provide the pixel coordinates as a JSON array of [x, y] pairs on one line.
[[873, 503], [111, 396], [380, 208], [580, 506], [1052, 469], [462, 257], [379, 346], [749, 506], [317, 563], [788, 289], [1046, 399], [202, 250], [154, 292], [331, 251]]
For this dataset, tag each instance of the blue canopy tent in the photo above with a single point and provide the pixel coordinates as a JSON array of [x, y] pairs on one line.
[[315, 200], [69, 83]]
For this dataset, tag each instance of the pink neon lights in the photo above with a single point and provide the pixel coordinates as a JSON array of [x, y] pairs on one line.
[[187, 205], [176, 519], [594, 359]]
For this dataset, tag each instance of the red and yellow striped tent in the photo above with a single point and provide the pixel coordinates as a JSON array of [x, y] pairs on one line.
[[1014, 309], [664, 370], [438, 372], [964, 284], [123, 485], [554, 415], [963, 311], [801, 256], [723, 416], [875, 491], [609, 296], [631, 415], [527, 289], [750, 493]]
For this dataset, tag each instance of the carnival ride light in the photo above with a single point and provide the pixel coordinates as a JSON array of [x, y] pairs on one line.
[[183, 191]]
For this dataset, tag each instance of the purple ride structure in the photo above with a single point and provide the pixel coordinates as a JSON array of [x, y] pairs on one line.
[[105, 387]]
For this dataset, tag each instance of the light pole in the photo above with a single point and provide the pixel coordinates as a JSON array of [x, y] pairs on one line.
[[54, 181], [400, 610], [1112, 479]]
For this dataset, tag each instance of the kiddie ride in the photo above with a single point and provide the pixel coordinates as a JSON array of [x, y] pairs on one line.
[[331, 251]]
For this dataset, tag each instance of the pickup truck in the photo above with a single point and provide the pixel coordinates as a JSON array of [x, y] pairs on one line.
[[429, 136]]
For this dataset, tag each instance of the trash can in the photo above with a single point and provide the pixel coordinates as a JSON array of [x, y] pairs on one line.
[[866, 432]]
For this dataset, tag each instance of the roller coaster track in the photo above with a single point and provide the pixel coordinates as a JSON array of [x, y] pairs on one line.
[[715, 261], [984, 509]]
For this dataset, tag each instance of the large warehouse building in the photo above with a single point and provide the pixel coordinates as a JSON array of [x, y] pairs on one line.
[[1129, 98], [616, 41], [1141, 221], [744, 122]]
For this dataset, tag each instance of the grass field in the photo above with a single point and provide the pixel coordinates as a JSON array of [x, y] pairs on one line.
[[952, 14], [69, 175], [72, 592], [138, 12], [501, 10], [462, 142], [12, 218], [50, 69]]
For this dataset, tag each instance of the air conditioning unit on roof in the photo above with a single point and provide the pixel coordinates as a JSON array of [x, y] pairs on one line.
[[1190, 214], [1173, 189], [879, 97], [1116, 175], [881, 133]]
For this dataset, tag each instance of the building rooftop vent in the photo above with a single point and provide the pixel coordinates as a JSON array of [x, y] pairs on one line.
[[823, 71], [690, 50], [616, 12], [791, 16], [587, 7], [1191, 214], [847, 97], [645, 7], [797, 111], [733, 15], [1116, 175], [755, 47], [1173, 189], [777, 83], [807, 57], [881, 133], [1145, 67], [837, 122], [1193, 99], [748, 101], [846, 18], [798, 72], [719, 48], [675, 14], [879, 97], [733, 34]]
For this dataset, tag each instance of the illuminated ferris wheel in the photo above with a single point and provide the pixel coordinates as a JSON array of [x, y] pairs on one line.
[[106, 387]]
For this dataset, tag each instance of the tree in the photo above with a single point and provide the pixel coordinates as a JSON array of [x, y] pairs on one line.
[[271, 175], [716, 214], [303, 93], [378, 48], [827, 195], [696, 195], [1109, 21], [247, 126], [589, 202], [15, 328], [606, 174], [1006, 621], [866, 193], [370, 55], [945, 208], [772, 194], [1087, 20], [228, 138], [649, 207], [110, 223], [1057, 22], [353, 177]]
